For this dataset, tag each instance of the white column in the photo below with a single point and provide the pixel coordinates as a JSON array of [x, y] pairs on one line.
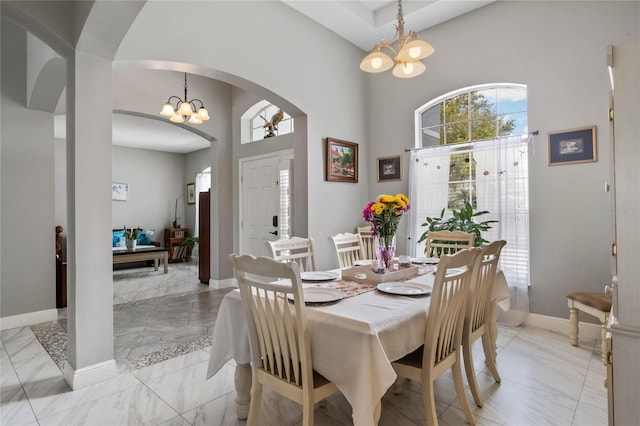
[[90, 277]]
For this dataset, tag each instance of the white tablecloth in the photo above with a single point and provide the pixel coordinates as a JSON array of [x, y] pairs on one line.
[[352, 342]]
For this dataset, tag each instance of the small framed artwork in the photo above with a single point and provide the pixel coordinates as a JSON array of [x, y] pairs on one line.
[[341, 161], [191, 193], [389, 168], [573, 146], [119, 191]]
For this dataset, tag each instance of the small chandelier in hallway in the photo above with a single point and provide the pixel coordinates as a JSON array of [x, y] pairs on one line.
[[407, 53], [182, 109]]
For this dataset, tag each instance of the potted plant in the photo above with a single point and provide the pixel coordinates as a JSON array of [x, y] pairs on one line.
[[131, 237], [190, 243], [462, 220]]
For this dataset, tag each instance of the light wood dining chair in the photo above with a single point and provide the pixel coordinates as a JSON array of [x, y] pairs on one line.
[[279, 338], [443, 337], [368, 242], [348, 249], [294, 249], [476, 319], [447, 242]]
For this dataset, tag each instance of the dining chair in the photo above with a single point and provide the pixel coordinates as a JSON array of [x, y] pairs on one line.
[[368, 242], [295, 249], [447, 242], [348, 248], [279, 339], [443, 336], [476, 323]]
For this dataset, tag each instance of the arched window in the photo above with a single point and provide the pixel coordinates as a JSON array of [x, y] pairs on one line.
[[257, 122], [472, 147]]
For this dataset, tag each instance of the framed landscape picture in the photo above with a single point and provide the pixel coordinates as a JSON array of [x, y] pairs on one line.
[[389, 168], [341, 161], [573, 146]]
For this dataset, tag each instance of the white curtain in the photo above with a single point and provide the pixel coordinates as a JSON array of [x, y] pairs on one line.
[[502, 188], [203, 183], [428, 190]]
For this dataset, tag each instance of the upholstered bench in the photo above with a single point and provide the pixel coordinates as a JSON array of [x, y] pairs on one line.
[[595, 304]]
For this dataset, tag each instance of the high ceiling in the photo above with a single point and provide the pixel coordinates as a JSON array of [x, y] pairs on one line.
[[367, 22]]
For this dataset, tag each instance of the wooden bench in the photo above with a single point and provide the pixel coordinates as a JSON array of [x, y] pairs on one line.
[[142, 254]]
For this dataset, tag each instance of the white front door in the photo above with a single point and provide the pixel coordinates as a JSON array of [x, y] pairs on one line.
[[264, 202]]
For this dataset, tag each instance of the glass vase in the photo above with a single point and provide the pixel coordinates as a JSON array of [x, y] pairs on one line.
[[385, 250]]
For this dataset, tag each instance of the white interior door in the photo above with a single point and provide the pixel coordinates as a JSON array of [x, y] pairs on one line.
[[264, 203]]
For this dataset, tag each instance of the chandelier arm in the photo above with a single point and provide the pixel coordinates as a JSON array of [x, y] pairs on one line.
[[388, 46], [175, 97]]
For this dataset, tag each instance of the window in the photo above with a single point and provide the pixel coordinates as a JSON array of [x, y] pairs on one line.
[[472, 146], [255, 122], [467, 116]]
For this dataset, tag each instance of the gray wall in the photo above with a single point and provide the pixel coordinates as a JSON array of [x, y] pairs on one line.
[[155, 180], [27, 278], [558, 49]]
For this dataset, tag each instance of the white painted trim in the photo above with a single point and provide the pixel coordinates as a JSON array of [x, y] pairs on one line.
[[90, 375], [561, 326], [27, 319], [220, 284]]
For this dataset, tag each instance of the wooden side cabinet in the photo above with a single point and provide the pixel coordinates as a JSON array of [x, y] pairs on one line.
[[173, 240]]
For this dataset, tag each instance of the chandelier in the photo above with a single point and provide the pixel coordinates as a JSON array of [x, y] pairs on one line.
[[184, 109], [407, 53]]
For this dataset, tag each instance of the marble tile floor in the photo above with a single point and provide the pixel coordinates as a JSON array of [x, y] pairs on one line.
[[545, 381], [156, 317]]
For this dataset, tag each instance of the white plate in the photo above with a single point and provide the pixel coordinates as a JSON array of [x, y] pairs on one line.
[[313, 296], [365, 262], [425, 260], [405, 288], [318, 276]]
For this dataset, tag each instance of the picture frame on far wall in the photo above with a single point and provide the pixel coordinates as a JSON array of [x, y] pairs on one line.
[[573, 146], [191, 193], [389, 168], [119, 191], [341, 161]]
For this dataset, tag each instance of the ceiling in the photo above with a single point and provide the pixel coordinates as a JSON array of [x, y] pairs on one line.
[[367, 22], [361, 22]]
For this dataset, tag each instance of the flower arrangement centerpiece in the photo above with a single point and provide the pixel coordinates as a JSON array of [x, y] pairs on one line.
[[384, 214]]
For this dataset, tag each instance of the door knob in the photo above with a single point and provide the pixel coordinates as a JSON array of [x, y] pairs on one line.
[[274, 232]]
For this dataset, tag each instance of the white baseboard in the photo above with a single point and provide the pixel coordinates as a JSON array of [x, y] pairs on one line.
[[87, 376], [27, 319], [561, 326], [220, 284]]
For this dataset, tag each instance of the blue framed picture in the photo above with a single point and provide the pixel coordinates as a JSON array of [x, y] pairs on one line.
[[573, 146]]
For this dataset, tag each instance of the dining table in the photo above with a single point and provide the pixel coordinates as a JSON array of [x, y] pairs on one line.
[[353, 340]]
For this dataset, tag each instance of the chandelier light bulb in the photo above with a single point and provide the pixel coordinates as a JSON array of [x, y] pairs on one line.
[[176, 118], [194, 119], [167, 110], [203, 114], [185, 108]]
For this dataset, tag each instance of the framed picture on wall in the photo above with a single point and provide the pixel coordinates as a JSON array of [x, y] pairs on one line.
[[389, 168], [119, 191], [341, 161], [191, 193], [573, 146]]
